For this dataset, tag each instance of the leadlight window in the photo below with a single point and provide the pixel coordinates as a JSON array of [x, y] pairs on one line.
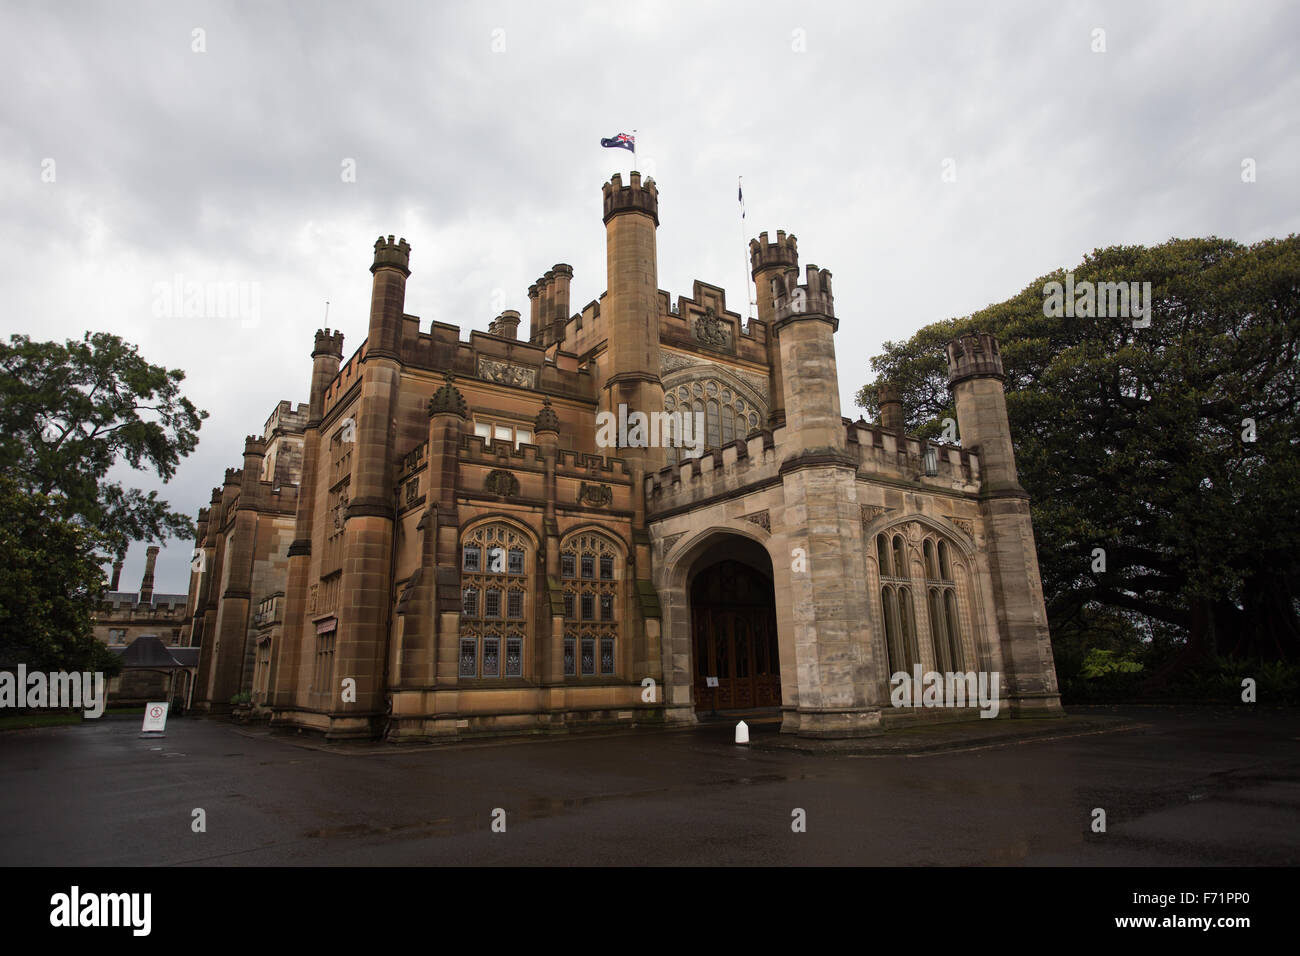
[[723, 415], [496, 579], [590, 637], [936, 596]]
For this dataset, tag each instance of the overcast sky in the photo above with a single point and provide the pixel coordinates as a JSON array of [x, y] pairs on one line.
[[474, 132]]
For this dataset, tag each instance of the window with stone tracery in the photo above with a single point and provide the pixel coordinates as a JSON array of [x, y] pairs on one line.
[[495, 577], [726, 415], [939, 587], [590, 575]]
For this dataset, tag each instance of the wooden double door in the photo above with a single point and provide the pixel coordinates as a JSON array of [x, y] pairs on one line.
[[733, 625]]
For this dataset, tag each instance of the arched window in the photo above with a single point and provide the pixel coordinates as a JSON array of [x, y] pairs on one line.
[[495, 577], [723, 414], [896, 605], [938, 594], [941, 603], [591, 572]]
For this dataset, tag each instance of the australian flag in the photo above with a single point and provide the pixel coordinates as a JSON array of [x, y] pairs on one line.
[[621, 141]]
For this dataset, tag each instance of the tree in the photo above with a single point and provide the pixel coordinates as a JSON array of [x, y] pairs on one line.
[[1175, 449], [69, 412], [50, 578]]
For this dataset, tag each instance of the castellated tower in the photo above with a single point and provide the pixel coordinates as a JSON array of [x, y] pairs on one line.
[[833, 643], [632, 304], [368, 528], [770, 261], [975, 375], [287, 659]]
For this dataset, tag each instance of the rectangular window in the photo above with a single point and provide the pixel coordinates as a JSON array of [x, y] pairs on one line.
[[472, 557], [566, 565], [491, 603], [503, 433], [514, 657], [516, 561], [588, 566], [515, 604], [471, 602], [468, 657], [491, 657], [523, 436], [568, 605], [570, 657], [607, 655], [588, 657], [607, 607], [606, 568], [483, 430], [588, 607]]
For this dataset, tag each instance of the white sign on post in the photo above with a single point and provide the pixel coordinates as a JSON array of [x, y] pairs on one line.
[[155, 719], [710, 682]]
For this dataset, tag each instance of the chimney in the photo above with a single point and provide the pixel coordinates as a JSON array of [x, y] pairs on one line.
[[146, 582], [891, 407], [506, 325], [117, 574]]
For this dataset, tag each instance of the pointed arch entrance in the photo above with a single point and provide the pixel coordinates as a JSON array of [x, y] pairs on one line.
[[734, 649]]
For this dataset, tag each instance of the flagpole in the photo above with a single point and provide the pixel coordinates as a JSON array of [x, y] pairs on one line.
[[740, 194]]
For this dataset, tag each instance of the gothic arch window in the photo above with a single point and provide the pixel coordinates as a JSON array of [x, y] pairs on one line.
[[939, 591], [496, 580], [896, 605], [591, 572], [725, 414], [941, 594]]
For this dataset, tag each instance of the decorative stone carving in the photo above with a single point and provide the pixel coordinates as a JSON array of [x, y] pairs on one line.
[[964, 525], [311, 598], [506, 374], [712, 331], [597, 495], [501, 483], [760, 518], [671, 361], [671, 540], [870, 513]]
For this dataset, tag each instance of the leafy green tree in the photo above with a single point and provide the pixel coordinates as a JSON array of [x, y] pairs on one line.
[[1136, 441], [69, 412], [50, 578]]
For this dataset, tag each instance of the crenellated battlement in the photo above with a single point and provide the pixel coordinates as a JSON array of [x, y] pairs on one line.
[[782, 254], [885, 453], [974, 356], [328, 343], [392, 255], [633, 197], [814, 297], [729, 470]]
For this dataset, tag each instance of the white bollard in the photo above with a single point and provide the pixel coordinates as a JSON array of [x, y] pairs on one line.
[[742, 733]]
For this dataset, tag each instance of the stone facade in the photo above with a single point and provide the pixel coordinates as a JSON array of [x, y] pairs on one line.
[[461, 552]]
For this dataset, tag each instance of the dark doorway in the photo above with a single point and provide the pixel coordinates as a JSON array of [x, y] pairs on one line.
[[733, 632]]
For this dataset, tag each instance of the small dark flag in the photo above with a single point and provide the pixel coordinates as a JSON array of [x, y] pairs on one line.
[[740, 197], [621, 141]]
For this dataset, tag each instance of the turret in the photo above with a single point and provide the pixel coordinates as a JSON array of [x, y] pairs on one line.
[[326, 357], [632, 303], [388, 295], [768, 261], [975, 375], [805, 324]]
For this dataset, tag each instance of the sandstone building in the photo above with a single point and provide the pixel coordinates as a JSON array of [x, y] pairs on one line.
[[452, 551]]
